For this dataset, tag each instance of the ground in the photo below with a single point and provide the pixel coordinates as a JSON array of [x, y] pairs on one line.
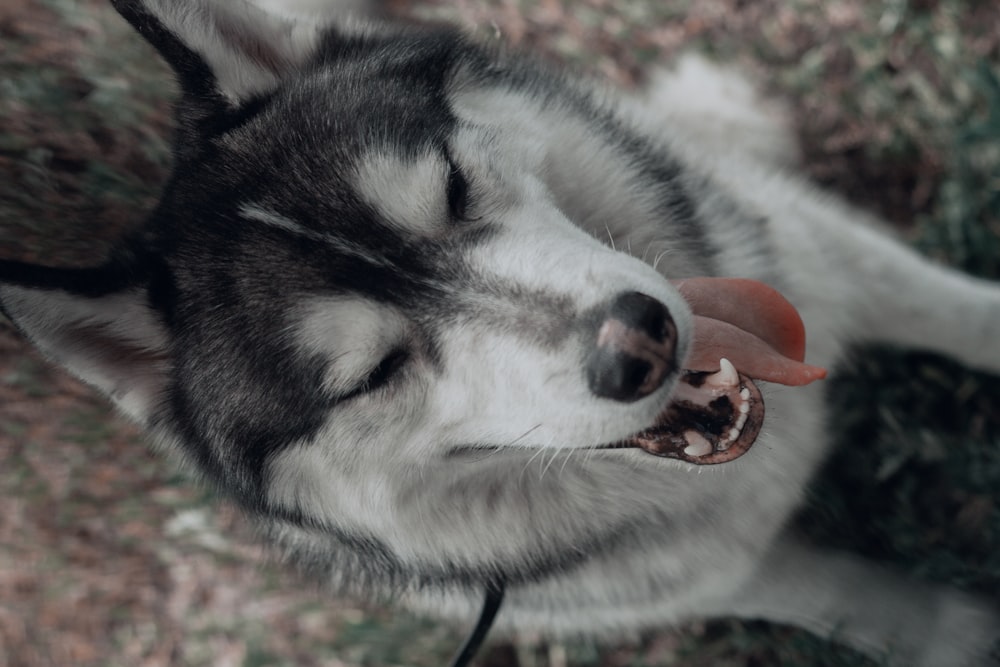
[[109, 558]]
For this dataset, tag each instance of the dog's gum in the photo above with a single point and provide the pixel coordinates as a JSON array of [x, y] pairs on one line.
[[705, 424]]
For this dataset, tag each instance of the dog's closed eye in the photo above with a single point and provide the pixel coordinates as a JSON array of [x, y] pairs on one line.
[[458, 193], [379, 376], [360, 342]]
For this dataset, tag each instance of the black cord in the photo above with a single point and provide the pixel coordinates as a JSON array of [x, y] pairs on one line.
[[491, 605]]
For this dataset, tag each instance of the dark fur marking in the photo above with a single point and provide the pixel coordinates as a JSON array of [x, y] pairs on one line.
[[664, 172], [197, 221]]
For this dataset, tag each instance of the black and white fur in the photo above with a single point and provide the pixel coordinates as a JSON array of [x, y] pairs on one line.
[[361, 306]]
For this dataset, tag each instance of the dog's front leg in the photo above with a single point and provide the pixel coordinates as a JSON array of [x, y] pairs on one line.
[[877, 612], [857, 282]]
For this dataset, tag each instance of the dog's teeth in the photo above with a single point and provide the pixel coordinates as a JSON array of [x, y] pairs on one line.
[[745, 394], [734, 433], [726, 377], [698, 445], [744, 407], [742, 421]]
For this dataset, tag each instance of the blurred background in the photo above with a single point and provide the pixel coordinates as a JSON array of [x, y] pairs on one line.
[[109, 558]]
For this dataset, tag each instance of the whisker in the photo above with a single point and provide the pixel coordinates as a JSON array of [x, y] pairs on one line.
[[493, 450], [570, 451], [659, 256], [645, 253], [545, 468], [555, 455], [527, 463], [524, 435]]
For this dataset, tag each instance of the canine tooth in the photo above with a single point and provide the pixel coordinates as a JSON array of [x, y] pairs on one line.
[[745, 394], [733, 434], [741, 422], [698, 445], [725, 377], [744, 408]]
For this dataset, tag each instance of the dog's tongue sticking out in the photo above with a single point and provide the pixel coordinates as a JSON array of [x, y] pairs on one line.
[[750, 324], [743, 331]]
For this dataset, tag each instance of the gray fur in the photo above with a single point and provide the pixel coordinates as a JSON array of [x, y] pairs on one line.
[[399, 397]]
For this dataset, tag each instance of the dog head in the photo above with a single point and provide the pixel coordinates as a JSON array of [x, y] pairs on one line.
[[371, 306]]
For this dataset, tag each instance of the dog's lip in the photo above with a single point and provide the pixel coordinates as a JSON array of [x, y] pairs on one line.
[[744, 331], [707, 421]]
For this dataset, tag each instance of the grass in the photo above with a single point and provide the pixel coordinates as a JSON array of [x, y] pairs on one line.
[[83, 138], [898, 107], [919, 435], [963, 228]]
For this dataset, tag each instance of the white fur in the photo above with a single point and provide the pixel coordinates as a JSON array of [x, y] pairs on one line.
[[575, 221], [410, 195], [112, 343], [242, 68], [352, 333]]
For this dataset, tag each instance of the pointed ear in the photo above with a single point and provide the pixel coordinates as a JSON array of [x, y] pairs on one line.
[[112, 340], [223, 50]]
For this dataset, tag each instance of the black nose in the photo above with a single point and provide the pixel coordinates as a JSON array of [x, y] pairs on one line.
[[635, 348]]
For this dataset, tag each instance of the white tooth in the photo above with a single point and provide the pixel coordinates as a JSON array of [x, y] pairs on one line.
[[733, 434], [725, 378], [741, 422], [698, 445], [745, 394], [744, 408], [727, 373]]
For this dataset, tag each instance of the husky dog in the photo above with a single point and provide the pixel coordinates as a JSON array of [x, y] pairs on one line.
[[446, 320]]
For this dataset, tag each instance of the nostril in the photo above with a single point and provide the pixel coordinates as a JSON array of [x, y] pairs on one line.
[[618, 376], [634, 350], [643, 313]]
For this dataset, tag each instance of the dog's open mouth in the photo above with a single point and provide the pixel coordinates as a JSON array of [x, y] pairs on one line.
[[744, 331], [712, 418]]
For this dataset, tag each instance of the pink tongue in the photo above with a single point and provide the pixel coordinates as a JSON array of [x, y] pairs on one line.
[[751, 325]]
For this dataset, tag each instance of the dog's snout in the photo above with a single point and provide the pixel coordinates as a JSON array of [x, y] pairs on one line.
[[635, 348]]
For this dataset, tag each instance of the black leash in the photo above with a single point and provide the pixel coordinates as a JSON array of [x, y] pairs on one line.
[[491, 605]]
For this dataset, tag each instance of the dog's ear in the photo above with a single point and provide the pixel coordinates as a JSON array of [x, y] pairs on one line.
[[224, 51], [96, 325]]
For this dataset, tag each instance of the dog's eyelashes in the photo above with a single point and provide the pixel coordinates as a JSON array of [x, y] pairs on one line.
[[458, 193], [386, 369], [379, 376]]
